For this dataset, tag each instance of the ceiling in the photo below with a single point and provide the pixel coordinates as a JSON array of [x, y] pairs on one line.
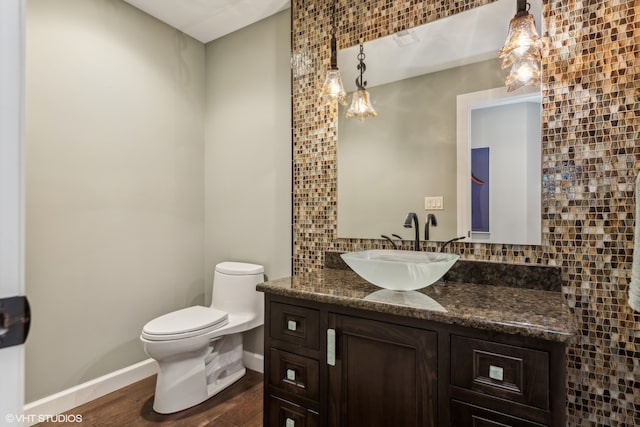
[[207, 20]]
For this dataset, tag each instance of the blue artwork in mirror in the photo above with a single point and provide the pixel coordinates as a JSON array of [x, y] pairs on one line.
[[480, 190]]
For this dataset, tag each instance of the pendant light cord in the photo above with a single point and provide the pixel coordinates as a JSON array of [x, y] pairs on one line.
[[362, 67], [523, 8], [334, 42]]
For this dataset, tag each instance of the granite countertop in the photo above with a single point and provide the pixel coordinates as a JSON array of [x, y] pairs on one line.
[[527, 312]]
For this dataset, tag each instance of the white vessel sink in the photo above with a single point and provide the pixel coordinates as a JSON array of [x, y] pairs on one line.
[[400, 270]]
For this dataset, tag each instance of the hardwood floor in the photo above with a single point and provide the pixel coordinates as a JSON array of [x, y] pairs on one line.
[[240, 405]]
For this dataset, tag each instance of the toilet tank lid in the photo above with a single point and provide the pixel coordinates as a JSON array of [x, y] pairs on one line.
[[239, 268]]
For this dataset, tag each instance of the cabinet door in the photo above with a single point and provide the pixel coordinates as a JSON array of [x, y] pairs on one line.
[[384, 374]]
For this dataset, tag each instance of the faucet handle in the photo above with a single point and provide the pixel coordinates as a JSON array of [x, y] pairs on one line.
[[448, 242], [390, 241]]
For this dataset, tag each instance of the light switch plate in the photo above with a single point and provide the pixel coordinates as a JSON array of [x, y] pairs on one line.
[[433, 203]]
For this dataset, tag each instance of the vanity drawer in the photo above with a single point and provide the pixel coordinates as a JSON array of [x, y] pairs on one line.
[[286, 414], [464, 414], [295, 325], [509, 372], [296, 375]]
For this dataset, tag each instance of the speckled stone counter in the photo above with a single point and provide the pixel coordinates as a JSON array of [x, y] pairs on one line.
[[526, 312]]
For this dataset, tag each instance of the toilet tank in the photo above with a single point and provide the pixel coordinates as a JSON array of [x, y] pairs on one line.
[[234, 289]]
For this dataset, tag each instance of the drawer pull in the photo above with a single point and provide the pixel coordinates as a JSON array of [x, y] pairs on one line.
[[496, 373], [331, 347], [291, 375], [289, 423], [292, 325]]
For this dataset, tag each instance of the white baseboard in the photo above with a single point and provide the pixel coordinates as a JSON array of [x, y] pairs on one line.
[[75, 396], [78, 395], [253, 361]]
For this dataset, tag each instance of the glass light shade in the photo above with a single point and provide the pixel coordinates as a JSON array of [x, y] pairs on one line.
[[524, 72], [360, 106], [333, 89], [531, 52], [522, 52], [522, 37]]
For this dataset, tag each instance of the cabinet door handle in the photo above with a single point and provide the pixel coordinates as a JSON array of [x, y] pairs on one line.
[[292, 325], [331, 347]]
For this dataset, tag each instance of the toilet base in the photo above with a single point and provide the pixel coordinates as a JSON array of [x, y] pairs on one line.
[[199, 376], [225, 382]]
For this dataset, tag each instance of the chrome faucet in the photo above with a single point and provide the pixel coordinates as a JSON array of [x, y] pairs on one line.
[[431, 220], [407, 224]]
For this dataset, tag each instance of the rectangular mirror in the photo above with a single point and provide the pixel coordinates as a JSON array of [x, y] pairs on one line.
[[389, 165]]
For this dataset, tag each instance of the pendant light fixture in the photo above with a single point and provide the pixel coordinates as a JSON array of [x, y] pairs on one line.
[[360, 103], [332, 89], [523, 50]]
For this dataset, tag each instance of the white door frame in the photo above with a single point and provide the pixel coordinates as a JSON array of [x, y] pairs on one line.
[[12, 195]]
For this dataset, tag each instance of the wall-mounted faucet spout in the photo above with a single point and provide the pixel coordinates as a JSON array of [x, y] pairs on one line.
[[407, 224], [431, 220]]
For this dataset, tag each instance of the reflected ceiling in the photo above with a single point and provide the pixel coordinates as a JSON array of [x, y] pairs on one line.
[[464, 38]]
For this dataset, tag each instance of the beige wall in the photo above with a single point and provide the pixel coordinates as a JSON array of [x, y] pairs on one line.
[[116, 180], [114, 225], [248, 151]]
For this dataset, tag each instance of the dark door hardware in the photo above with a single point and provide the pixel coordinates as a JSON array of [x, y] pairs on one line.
[[15, 319]]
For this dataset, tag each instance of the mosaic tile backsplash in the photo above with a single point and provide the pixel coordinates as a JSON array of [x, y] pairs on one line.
[[524, 276], [591, 154]]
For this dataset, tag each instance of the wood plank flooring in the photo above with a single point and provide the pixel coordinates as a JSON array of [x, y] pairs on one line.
[[240, 405]]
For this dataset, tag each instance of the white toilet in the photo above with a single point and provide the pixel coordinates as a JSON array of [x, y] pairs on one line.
[[199, 349]]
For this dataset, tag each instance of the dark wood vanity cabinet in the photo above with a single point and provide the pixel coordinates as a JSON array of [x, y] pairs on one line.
[[328, 365], [383, 375]]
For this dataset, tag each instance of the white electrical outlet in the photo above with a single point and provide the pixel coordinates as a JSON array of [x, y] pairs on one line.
[[432, 203]]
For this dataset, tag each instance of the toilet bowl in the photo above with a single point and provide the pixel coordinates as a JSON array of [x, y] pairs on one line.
[[199, 349]]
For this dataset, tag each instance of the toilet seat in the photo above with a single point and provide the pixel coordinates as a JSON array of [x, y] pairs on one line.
[[185, 323]]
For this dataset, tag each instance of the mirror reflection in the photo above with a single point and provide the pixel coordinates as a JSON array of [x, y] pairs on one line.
[[399, 161], [499, 178]]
